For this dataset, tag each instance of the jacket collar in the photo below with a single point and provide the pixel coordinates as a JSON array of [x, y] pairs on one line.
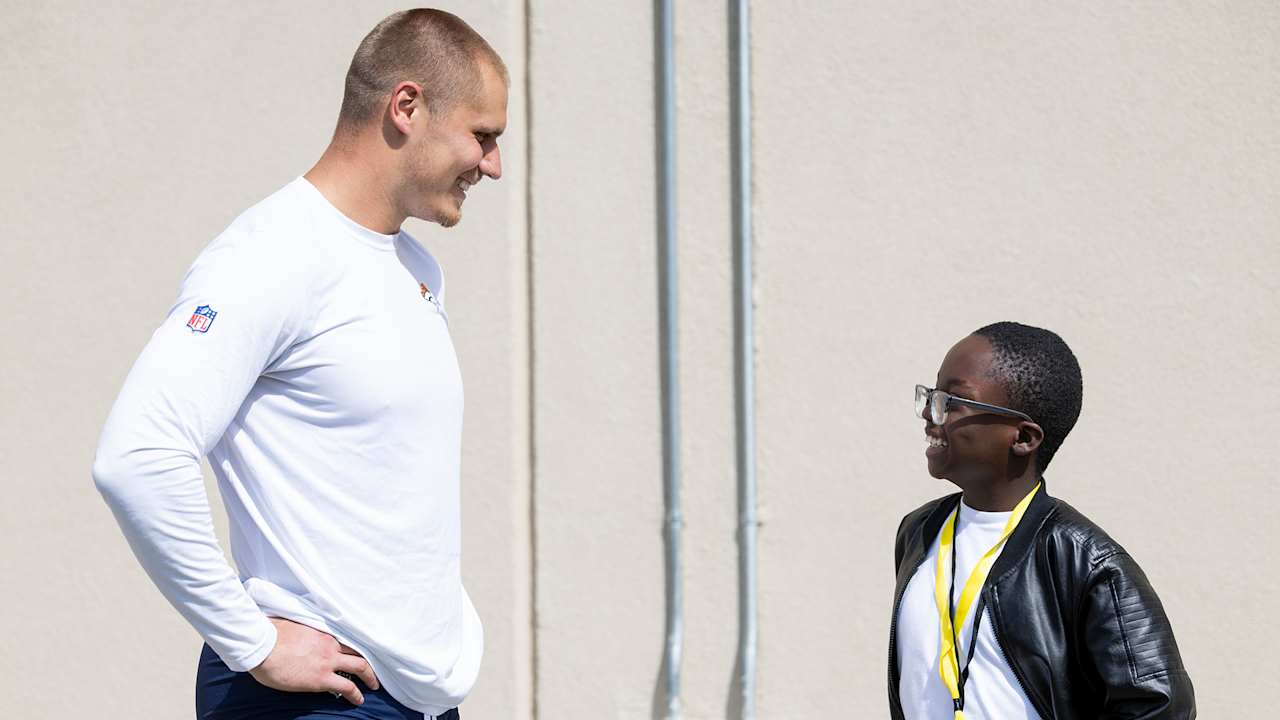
[[933, 523], [1024, 536]]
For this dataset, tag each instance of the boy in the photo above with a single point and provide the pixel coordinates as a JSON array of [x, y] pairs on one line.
[[1009, 603]]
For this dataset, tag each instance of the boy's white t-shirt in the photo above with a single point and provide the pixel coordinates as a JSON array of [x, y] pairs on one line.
[[309, 358], [992, 691]]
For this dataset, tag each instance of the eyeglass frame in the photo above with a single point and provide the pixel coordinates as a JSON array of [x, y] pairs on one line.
[[928, 405]]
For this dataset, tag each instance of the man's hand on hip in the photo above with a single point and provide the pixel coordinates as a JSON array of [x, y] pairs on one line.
[[307, 660]]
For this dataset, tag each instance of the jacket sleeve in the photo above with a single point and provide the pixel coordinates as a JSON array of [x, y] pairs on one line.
[[182, 393], [1130, 645]]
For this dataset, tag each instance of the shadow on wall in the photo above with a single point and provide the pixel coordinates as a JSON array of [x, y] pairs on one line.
[[732, 706], [659, 704]]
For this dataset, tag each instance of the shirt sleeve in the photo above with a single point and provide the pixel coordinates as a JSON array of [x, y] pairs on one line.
[[234, 316]]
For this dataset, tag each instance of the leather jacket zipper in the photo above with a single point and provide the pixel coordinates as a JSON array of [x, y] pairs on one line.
[[1004, 653]]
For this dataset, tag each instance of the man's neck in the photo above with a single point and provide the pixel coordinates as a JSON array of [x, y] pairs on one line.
[[357, 189]]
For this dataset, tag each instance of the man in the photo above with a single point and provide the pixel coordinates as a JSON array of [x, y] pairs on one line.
[[308, 356], [1010, 603]]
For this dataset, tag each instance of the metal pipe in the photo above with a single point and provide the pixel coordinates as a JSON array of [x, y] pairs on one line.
[[664, 43], [744, 341]]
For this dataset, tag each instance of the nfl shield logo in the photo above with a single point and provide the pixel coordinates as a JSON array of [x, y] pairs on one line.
[[201, 319]]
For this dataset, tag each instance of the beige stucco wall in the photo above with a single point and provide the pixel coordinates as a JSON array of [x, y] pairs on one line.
[[920, 170]]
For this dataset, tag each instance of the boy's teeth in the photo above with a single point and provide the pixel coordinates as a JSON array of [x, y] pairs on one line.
[[936, 442]]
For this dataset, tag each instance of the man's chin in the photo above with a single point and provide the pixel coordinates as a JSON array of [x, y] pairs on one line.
[[444, 217]]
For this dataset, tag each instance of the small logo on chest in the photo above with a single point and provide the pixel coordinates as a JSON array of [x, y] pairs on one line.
[[430, 297]]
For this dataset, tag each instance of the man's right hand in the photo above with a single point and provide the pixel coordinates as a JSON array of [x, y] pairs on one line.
[[307, 660]]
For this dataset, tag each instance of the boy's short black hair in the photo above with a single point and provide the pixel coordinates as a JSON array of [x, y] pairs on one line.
[[1041, 376]]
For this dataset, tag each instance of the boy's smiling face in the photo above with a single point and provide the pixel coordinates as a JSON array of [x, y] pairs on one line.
[[976, 447]]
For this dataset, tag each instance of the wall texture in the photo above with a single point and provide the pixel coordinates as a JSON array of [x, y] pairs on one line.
[[921, 169]]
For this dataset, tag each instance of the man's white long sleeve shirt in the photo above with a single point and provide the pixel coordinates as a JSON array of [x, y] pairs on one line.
[[309, 358]]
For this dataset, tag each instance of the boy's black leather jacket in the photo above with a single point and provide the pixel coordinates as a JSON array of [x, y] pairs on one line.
[[1077, 620]]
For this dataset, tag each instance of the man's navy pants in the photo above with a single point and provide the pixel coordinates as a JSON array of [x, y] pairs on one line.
[[222, 694]]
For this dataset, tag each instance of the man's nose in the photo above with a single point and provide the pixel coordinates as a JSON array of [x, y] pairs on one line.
[[491, 163]]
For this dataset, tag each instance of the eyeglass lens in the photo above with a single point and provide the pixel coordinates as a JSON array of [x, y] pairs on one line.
[[938, 407], [935, 400]]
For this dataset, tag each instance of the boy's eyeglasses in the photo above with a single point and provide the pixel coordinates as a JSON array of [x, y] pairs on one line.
[[938, 402]]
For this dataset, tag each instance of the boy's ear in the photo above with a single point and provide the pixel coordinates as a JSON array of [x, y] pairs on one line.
[[1030, 435]]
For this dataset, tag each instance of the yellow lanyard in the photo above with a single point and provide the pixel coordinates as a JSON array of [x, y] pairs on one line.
[[949, 660]]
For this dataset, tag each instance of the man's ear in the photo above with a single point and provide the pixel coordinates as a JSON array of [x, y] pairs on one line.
[[1030, 435], [407, 104]]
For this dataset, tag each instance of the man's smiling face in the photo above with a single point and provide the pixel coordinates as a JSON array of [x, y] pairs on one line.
[[455, 151], [972, 446]]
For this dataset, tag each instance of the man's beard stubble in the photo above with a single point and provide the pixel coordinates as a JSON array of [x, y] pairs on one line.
[[448, 220], [415, 184]]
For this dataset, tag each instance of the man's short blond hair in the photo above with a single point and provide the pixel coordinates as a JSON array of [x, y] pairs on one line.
[[433, 48]]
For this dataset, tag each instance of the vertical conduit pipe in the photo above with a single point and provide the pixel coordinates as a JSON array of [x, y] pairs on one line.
[[664, 43], [744, 339]]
